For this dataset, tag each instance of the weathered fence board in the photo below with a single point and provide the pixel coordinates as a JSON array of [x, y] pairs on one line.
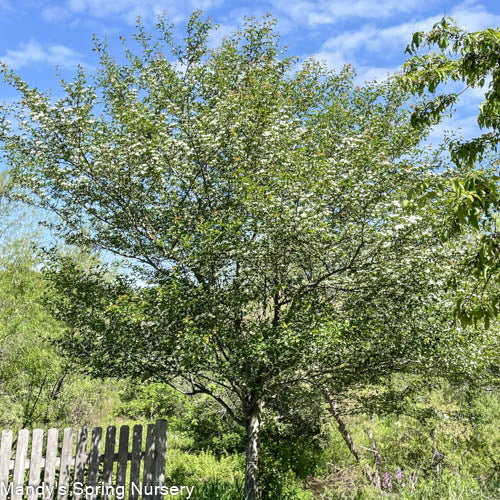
[[121, 466], [20, 464], [95, 453], [5, 452], [109, 456], [67, 462], [135, 464], [49, 476], [147, 479], [80, 459], [160, 451], [76, 468], [35, 463]]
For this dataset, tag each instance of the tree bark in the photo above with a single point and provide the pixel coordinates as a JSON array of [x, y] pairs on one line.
[[252, 491], [374, 478], [346, 435]]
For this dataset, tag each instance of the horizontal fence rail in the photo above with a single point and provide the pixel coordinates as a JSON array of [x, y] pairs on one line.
[[84, 464]]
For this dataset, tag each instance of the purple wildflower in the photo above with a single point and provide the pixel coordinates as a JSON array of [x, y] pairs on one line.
[[399, 476], [387, 481]]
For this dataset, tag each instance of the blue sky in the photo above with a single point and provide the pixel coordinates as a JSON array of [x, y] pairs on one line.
[[369, 34]]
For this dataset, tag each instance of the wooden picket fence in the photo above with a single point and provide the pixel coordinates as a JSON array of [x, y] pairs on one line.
[[55, 468]]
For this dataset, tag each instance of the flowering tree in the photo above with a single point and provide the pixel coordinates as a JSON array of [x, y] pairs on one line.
[[253, 201]]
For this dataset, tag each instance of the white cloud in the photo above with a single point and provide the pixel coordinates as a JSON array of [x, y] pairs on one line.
[[463, 126], [333, 58], [223, 30], [128, 10], [364, 73], [55, 13], [317, 12], [370, 41], [371, 38], [393, 38], [34, 53], [370, 73], [474, 17], [469, 14], [358, 47]]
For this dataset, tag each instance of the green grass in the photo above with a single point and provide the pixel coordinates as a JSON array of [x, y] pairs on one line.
[[219, 490]]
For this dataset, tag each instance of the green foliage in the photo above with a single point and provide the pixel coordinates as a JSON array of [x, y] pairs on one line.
[[467, 57], [292, 451], [450, 450], [149, 401], [474, 195], [193, 469], [220, 490], [212, 428], [447, 487], [37, 386], [201, 420], [451, 487]]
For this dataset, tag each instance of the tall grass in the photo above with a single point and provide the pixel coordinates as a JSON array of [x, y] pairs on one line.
[[219, 490]]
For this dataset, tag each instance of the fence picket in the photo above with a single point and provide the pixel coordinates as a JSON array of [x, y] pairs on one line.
[[109, 456], [35, 463], [147, 480], [80, 460], [50, 464], [135, 463], [94, 459], [160, 455], [121, 468], [5, 452], [66, 465], [23, 437]]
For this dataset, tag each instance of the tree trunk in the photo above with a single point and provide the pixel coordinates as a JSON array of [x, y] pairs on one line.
[[346, 435], [252, 491], [374, 478]]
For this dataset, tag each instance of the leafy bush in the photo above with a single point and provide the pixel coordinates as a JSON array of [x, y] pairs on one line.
[[199, 418], [213, 429], [192, 469], [291, 452], [152, 400]]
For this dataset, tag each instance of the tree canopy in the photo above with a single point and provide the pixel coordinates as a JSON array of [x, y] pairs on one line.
[[256, 202]]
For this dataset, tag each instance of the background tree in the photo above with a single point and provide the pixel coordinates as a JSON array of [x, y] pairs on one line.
[[37, 386], [474, 195], [253, 201]]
